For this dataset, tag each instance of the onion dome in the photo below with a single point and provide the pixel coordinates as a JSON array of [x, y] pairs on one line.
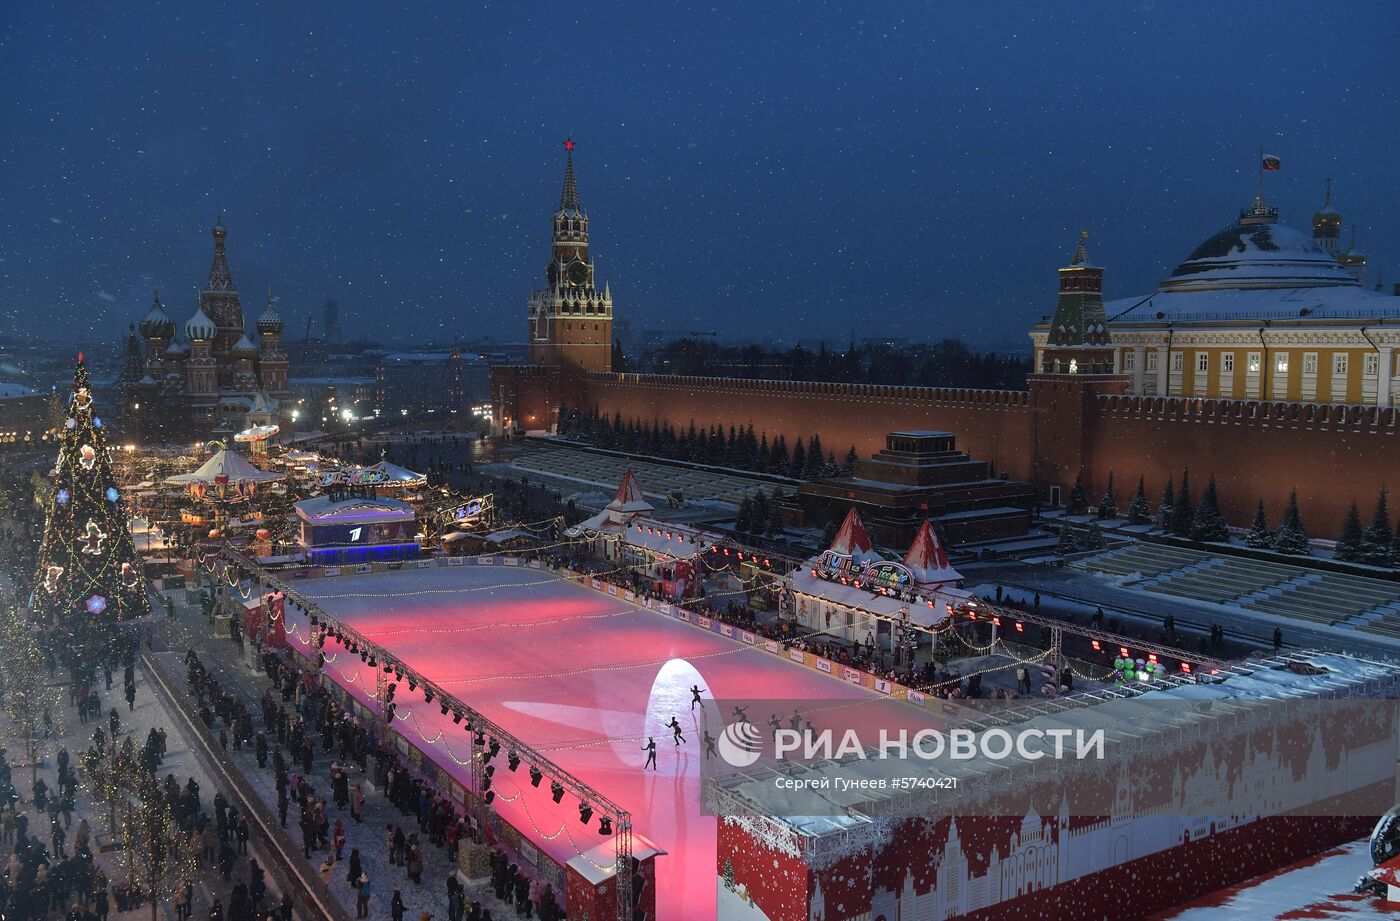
[[200, 328], [157, 323], [1327, 223], [176, 349], [244, 348], [271, 320]]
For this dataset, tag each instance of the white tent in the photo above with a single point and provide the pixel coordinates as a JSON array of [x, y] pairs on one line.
[[224, 467]]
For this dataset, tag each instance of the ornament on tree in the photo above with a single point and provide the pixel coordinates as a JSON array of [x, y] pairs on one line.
[[62, 496], [82, 399], [96, 605], [87, 457], [129, 575], [51, 577], [92, 540]]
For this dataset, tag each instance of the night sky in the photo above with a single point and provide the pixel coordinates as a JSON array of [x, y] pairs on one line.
[[774, 170]]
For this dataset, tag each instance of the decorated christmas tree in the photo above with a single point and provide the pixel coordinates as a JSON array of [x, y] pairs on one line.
[[88, 568]]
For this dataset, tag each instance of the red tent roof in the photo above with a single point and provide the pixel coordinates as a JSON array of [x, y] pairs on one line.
[[852, 538], [629, 493], [928, 561]]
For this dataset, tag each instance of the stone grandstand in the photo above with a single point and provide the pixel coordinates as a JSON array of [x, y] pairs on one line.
[[1322, 598]]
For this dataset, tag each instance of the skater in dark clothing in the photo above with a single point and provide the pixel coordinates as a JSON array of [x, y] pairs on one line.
[[695, 692], [650, 749], [675, 727], [709, 745], [741, 714]]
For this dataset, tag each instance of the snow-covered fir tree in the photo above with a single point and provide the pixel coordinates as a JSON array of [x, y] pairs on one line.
[[1259, 536], [1376, 543], [1078, 502], [1292, 534], [1209, 522], [1108, 505], [1183, 514], [1138, 510], [1348, 548], [1164, 506]]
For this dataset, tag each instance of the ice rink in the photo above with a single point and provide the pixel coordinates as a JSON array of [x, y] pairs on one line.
[[583, 676]]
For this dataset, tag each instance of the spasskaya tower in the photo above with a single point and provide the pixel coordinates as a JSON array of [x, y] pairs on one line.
[[571, 319]]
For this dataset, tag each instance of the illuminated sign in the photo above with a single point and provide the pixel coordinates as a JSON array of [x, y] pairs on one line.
[[876, 575]]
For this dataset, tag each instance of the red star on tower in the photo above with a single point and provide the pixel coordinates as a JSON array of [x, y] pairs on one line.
[[569, 144]]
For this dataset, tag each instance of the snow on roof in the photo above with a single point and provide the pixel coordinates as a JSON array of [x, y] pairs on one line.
[[224, 467], [666, 538], [1327, 302], [379, 508], [804, 582], [1258, 255], [853, 539], [599, 863], [393, 473], [927, 561]]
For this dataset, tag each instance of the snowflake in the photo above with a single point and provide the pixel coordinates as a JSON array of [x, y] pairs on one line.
[[96, 605], [112, 494], [96, 422], [63, 496], [71, 424]]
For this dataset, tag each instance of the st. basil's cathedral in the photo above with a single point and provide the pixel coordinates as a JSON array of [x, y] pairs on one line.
[[208, 377]]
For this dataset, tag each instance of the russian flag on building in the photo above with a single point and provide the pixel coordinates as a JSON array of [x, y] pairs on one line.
[[1270, 162]]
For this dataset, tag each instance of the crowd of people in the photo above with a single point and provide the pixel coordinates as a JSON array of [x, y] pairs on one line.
[[299, 717]]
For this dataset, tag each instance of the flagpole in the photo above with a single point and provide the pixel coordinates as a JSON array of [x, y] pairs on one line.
[[1259, 176]]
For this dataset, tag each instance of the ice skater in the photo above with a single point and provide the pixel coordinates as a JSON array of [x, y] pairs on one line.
[[709, 745], [695, 692], [741, 714], [795, 721], [675, 727], [775, 724], [650, 749]]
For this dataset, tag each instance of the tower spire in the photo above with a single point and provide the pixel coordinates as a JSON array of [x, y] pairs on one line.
[[568, 199]]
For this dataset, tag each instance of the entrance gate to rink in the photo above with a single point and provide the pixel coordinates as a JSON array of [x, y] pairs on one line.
[[479, 727]]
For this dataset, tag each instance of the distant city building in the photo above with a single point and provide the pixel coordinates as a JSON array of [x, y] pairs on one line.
[[214, 379], [24, 414], [330, 321], [316, 397], [1259, 311], [419, 381]]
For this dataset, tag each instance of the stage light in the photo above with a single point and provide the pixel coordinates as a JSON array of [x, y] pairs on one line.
[[427, 695], [389, 690], [389, 711], [485, 783], [444, 708], [490, 770], [556, 790], [495, 749], [490, 795], [512, 760], [536, 775], [480, 738], [605, 826], [412, 685], [456, 717], [1186, 667], [1095, 644], [398, 672], [364, 657], [372, 663], [315, 621], [1123, 652], [585, 813]]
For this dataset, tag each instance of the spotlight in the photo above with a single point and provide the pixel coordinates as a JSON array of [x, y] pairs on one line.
[[390, 710], [490, 770], [372, 663], [389, 690], [480, 738], [398, 672], [364, 657], [494, 751], [427, 695], [315, 621], [556, 790], [485, 783], [605, 826], [585, 813], [512, 760], [536, 775], [412, 685], [490, 795], [443, 707], [456, 717]]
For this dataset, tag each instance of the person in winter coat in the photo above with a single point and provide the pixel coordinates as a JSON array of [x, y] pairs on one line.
[[338, 838], [354, 871], [396, 906]]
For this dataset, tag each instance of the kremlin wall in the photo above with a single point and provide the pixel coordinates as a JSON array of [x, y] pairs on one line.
[[1093, 405]]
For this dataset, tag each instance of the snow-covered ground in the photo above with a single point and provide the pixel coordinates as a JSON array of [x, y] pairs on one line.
[[585, 677], [1318, 888]]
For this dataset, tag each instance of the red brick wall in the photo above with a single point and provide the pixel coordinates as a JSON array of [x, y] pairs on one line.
[[1257, 450], [1333, 454], [993, 425]]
